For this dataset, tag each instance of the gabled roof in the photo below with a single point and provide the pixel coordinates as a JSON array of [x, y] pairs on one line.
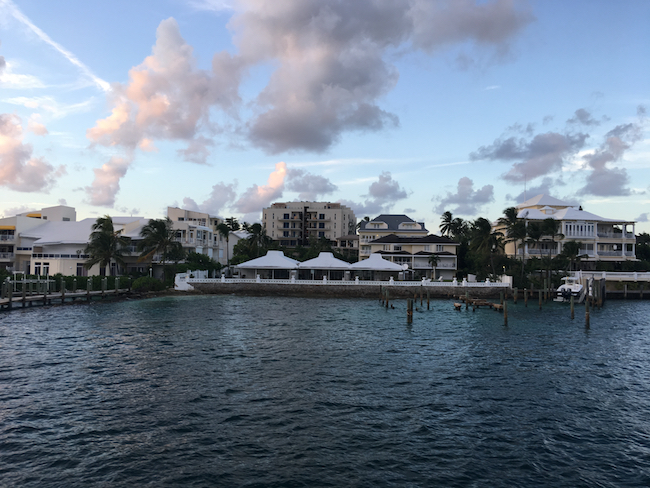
[[569, 213], [61, 232]]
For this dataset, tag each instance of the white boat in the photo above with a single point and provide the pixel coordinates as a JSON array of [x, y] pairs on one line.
[[570, 288]]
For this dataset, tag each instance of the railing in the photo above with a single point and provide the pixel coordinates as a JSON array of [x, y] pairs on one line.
[[610, 253], [6, 255], [614, 275], [7, 238], [617, 235], [425, 283]]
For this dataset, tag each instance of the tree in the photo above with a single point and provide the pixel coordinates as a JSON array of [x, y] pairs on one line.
[[515, 232], [105, 244], [551, 228], [643, 246], [433, 261], [460, 229], [159, 237], [365, 219], [446, 225], [571, 250], [486, 242], [224, 231]]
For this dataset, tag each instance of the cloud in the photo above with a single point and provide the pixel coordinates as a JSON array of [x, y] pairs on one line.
[[220, 196], [10, 8], [106, 184], [331, 59], [35, 126], [257, 197], [537, 156], [18, 169], [466, 200], [382, 195], [51, 106], [62, 201], [604, 180], [642, 218], [309, 186], [583, 117], [13, 211]]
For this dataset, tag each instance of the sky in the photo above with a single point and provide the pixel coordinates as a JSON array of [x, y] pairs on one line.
[[413, 106]]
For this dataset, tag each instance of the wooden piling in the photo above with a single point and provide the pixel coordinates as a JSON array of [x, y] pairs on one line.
[[428, 299], [514, 297], [24, 293], [89, 285], [505, 313], [62, 291], [526, 297], [587, 314], [466, 300], [540, 299], [572, 308], [501, 297], [625, 291]]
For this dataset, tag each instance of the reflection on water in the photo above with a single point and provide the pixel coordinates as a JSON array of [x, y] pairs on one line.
[[233, 391]]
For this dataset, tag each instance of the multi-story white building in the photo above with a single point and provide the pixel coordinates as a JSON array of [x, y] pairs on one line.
[[385, 225], [197, 232], [600, 238], [16, 254], [295, 223]]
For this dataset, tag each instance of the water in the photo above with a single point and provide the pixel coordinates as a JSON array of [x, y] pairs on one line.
[[257, 392]]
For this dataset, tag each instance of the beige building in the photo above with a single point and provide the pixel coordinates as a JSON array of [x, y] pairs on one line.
[[600, 238], [295, 223], [385, 225], [415, 254]]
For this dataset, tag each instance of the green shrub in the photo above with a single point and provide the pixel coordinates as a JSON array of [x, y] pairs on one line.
[[146, 283]]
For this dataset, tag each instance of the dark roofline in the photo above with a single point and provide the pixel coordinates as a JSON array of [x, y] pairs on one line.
[[430, 239]]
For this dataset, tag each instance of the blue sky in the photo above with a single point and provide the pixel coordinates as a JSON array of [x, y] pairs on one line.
[[410, 107]]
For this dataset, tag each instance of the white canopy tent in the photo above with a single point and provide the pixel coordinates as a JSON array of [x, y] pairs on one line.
[[274, 260], [376, 264], [325, 262]]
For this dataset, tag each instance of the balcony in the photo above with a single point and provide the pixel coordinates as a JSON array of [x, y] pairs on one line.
[[7, 238], [6, 256]]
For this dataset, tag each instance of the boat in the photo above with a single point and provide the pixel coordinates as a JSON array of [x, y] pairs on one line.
[[570, 288]]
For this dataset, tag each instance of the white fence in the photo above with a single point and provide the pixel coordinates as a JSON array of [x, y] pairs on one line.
[[613, 275], [183, 281]]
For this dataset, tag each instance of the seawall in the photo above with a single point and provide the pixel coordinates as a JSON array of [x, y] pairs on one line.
[[345, 291]]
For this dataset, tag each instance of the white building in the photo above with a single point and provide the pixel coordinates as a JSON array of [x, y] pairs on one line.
[[295, 223], [600, 238], [197, 232]]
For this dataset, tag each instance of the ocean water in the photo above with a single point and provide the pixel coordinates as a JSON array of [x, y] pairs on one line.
[[287, 392]]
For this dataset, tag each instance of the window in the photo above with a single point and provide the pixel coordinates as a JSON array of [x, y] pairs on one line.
[[321, 216], [46, 269], [385, 247], [285, 225], [440, 248], [81, 270], [286, 216], [397, 248], [66, 219], [285, 233], [427, 247], [321, 234], [321, 225], [37, 268]]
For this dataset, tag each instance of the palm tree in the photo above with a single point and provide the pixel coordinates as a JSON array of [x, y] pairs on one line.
[[445, 226], [485, 241], [459, 229], [105, 244], [433, 261], [224, 231], [515, 231], [158, 237], [552, 229], [365, 219], [571, 250]]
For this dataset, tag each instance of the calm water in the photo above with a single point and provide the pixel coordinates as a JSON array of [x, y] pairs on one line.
[[236, 391]]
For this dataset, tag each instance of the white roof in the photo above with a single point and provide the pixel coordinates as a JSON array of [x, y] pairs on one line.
[[325, 260], [376, 263], [272, 260], [55, 232], [569, 213], [543, 200]]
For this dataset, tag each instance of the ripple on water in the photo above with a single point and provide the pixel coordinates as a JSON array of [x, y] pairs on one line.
[[242, 391]]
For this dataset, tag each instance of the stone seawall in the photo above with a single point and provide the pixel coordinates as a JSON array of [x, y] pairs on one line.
[[344, 291]]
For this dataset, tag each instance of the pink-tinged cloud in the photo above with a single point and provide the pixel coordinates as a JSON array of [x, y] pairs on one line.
[[106, 184], [257, 197], [33, 125], [19, 170], [220, 196]]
